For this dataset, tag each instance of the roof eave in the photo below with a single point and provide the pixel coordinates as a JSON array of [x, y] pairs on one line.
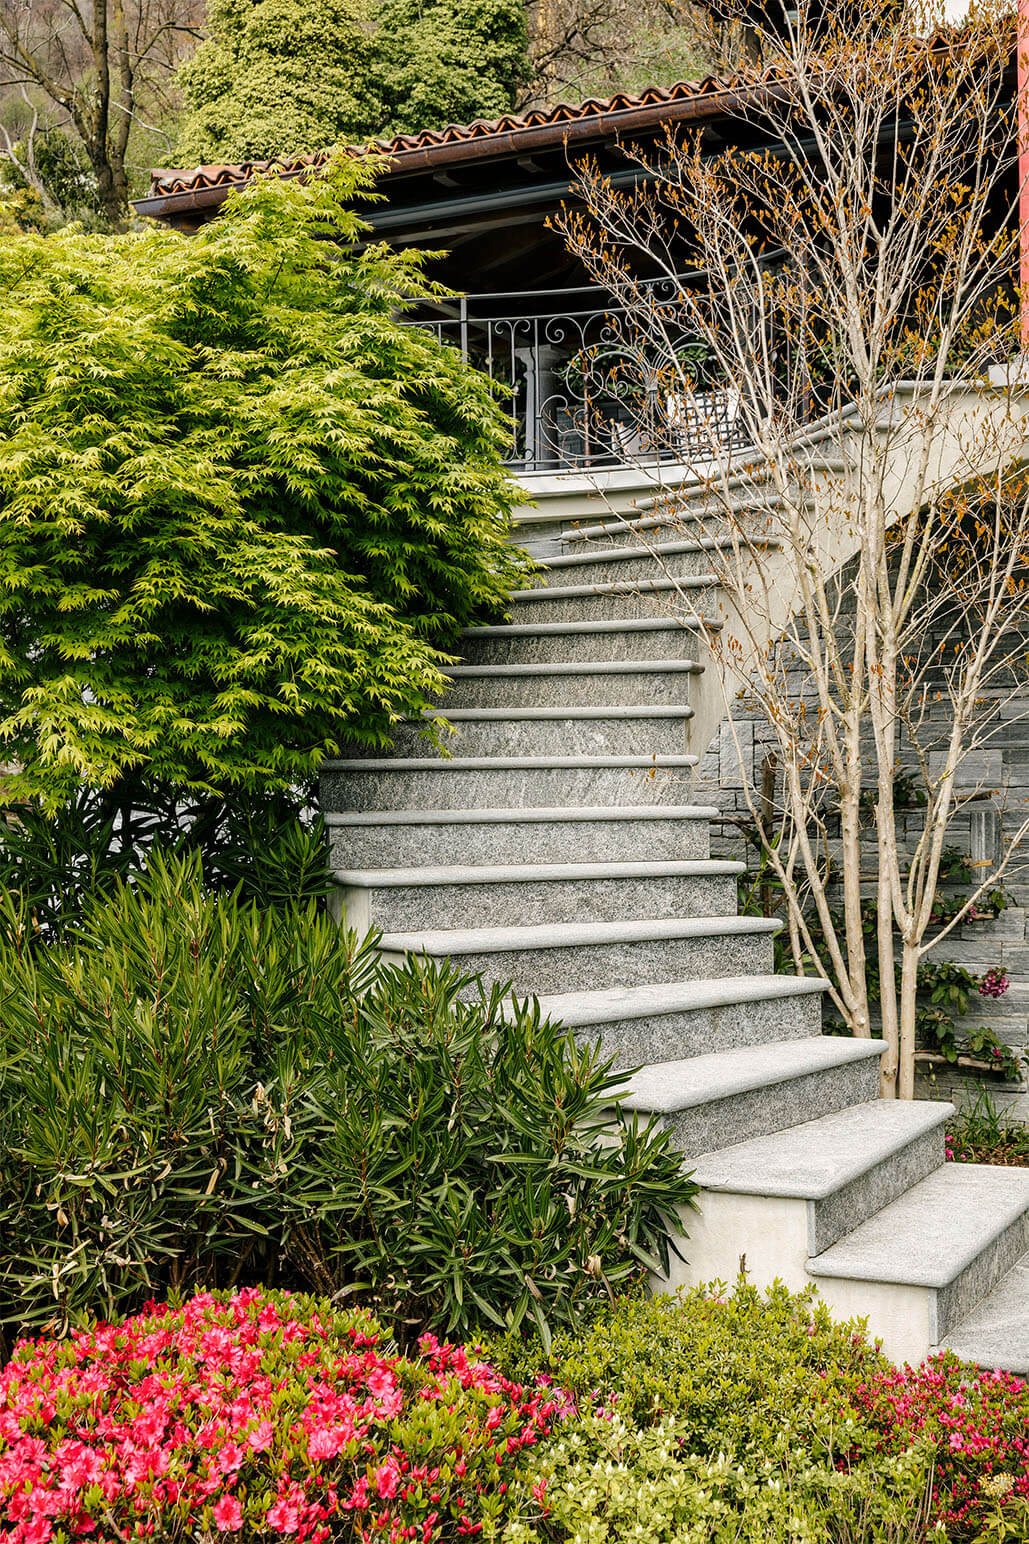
[[507, 143]]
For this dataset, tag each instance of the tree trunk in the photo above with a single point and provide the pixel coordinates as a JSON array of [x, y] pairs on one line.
[[908, 989]]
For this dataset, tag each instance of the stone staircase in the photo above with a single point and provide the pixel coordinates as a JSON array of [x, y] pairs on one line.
[[557, 847]]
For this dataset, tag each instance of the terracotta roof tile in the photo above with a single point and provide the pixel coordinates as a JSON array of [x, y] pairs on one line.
[[165, 181]]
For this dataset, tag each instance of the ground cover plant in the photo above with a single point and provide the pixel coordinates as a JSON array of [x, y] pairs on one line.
[[726, 1417], [197, 1091], [244, 510], [983, 1134], [258, 1415]]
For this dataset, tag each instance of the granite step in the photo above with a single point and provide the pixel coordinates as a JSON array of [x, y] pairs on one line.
[[704, 514], [409, 899], [622, 599], [503, 782], [608, 730], [922, 1264], [842, 1167], [645, 638], [587, 956], [672, 1020], [687, 557], [712, 1100], [593, 683], [996, 1333], [409, 838]]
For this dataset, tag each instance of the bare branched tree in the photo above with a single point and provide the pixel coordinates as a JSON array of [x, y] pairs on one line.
[[100, 63], [850, 291]]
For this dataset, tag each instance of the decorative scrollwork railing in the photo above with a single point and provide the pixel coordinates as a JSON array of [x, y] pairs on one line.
[[588, 386]]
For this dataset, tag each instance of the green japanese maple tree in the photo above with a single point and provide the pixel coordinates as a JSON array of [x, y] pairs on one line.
[[244, 509]]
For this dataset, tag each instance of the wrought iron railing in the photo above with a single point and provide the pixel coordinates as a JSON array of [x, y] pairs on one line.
[[587, 387]]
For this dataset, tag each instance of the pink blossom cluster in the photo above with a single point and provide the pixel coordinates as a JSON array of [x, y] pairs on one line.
[[994, 983], [978, 1425], [258, 1412]]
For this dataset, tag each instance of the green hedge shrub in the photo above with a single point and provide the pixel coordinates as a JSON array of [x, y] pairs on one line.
[[199, 1092], [736, 1367]]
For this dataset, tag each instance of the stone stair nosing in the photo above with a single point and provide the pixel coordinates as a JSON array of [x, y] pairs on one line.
[[628, 638], [734, 1095], [540, 959], [595, 683], [996, 1332], [456, 896], [637, 561], [669, 1021], [843, 1167], [468, 782], [644, 729]]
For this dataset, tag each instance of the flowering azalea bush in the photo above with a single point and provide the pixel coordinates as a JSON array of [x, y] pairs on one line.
[[263, 1416], [976, 1426]]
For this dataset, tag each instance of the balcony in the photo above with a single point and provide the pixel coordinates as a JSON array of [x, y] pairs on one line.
[[585, 389]]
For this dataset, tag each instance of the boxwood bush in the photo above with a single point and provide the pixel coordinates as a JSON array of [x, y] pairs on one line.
[[199, 1092]]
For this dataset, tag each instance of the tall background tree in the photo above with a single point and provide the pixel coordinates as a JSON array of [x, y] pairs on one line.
[[280, 77], [100, 73]]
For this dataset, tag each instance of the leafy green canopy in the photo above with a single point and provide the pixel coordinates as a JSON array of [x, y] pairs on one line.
[[242, 506], [281, 77]]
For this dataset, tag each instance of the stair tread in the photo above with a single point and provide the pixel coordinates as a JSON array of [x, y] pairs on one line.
[[555, 714], [507, 873], [637, 1002], [485, 763], [605, 625], [658, 550], [560, 935], [542, 814], [577, 668], [930, 1234], [615, 587], [821, 1156], [996, 1332], [666, 1087]]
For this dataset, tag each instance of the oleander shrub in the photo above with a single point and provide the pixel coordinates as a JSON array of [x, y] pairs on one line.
[[258, 1415], [269, 848], [200, 1092]]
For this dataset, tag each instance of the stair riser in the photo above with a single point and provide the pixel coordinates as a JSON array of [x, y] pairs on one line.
[[950, 1304], [594, 967], [671, 642], [674, 1036], [643, 689], [692, 523], [773, 1108], [399, 910], [559, 841], [643, 564], [831, 1217], [548, 737], [505, 788], [601, 607]]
